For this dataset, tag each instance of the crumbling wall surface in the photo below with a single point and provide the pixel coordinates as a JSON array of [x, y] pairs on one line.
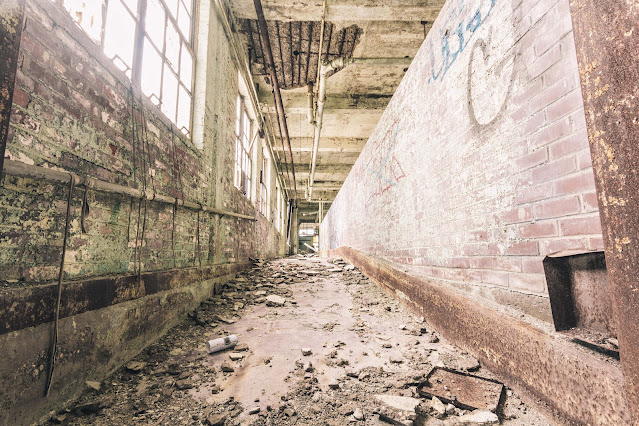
[[480, 165], [74, 110]]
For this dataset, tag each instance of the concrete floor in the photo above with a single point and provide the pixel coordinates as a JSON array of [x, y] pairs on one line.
[[365, 347]]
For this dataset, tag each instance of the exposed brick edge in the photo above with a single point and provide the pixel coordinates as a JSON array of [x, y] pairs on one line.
[[32, 306], [575, 384]]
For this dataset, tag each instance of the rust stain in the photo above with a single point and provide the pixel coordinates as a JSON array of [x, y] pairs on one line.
[[607, 48], [540, 365], [32, 306]]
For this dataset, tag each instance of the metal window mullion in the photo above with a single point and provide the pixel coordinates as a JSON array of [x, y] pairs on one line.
[[179, 78], [105, 11], [193, 23], [138, 48], [163, 55]]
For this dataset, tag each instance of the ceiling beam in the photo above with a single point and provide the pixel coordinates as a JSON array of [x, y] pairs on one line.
[[297, 101], [334, 144], [351, 10]]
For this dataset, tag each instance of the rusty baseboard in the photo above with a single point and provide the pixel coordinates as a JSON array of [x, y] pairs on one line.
[[96, 341], [34, 305], [577, 386]]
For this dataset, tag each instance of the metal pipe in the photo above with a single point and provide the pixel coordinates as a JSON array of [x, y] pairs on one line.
[[310, 113], [276, 86], [321, 45], [325, 68], [19, 169], [379, 61]]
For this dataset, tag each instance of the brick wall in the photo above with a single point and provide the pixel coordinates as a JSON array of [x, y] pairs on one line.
[[480, 165], [73, 110]]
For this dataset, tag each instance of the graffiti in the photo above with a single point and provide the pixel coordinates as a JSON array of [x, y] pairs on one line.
[[384, 165], [464, 32], [491, 74], [485, 107]]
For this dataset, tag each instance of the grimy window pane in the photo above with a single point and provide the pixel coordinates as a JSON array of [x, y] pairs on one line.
[[173, 6], [184, 22], [155, 22], [169, 93], [186, 67], [88, 14], [172, 45], [151, 72], [118, 36], [184, 111]]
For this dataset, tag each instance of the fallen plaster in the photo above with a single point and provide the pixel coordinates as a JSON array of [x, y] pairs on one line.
[[338, 350]]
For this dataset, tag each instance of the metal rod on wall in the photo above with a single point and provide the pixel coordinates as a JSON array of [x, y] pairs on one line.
[[17, 168]]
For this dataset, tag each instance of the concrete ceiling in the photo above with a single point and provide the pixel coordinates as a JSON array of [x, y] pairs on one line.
[[356, 95]]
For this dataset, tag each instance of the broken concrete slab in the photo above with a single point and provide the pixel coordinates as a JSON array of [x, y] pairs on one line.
[[479, 417], [216, 419], [93, 385], [402, 403], [227, 368], [275, 300], [463, 390], [235, 356], [136, 366], [358, 414]]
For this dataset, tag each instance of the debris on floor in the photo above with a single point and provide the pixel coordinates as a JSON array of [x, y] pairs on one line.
[[463, 390], [310, 342]]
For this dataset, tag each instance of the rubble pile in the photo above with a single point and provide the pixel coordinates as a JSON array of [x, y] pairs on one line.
[[318, 343]]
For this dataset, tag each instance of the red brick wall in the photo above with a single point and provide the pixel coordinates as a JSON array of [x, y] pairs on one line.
[[480, 165]]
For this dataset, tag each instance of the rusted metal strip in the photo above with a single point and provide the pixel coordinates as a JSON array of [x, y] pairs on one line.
[[538, 364], [606, 35], [32, 305], [11, 23]]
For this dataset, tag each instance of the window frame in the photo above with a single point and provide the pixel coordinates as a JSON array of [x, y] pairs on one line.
[[265, 185], [134, 71], [243, 161]]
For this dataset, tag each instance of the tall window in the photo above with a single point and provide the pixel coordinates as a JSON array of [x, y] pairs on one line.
[[151, 41], [243, 127], [265, 185]]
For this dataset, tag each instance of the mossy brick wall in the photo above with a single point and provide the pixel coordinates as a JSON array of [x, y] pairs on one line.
[[73, 110]]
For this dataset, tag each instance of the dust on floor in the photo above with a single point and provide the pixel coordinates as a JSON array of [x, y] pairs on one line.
[[319, 344]]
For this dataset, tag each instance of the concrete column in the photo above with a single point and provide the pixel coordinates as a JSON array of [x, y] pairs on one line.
[[295, 232], [11, 22], [607, 39]]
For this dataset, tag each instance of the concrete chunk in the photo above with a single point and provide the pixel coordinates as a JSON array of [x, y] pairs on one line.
[[479, 418], [275, 300], [402, 403]]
